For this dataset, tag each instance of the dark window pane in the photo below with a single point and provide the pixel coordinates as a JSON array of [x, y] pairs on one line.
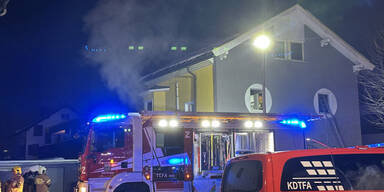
[[337, 172], [65, 116], [107, 137], [33, 149], [38, 130], [171, 142], [243, 176], [296, 51], [279, 50], [323, 103], [256, 99], [149, 106]]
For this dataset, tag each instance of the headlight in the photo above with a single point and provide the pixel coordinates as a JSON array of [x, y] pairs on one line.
[[83, 187]]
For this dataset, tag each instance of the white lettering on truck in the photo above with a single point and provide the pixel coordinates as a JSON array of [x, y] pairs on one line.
[[301, 185]]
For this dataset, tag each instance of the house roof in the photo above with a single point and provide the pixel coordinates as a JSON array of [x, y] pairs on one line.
[[302, 15], [313, 23]]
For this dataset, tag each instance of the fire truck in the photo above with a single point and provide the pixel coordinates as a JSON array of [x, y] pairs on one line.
[[172, 151], [334, 169]]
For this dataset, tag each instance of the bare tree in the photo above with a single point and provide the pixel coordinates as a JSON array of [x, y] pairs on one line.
[[372, 85]]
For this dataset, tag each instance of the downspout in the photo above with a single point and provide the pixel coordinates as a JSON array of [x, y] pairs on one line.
[[194, 89]]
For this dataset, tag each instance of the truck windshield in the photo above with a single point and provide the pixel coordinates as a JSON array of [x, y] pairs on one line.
[[107, 137], [171, 142], [337, 172]]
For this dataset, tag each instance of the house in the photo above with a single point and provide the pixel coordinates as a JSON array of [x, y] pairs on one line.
[[308, 70], [55, 136]]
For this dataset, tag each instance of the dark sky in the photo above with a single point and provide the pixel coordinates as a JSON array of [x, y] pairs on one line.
[[43, 67]]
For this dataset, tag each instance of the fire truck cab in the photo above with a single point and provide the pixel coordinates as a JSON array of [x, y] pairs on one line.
[[337, 169], [171, 151]]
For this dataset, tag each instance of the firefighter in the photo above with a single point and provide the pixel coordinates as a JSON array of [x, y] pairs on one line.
[[42, 181], [15, 184], [29, 180]]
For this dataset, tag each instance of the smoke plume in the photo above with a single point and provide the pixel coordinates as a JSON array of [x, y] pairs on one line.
[[117, 28]]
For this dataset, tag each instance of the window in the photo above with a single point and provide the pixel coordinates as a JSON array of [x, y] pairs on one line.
[[336, 172], [65, 116], [296, 51], [105, 138], [149, 106], [279, 50], [244, 176], [47, 137], [323, 103], [188, 107], [256, 99], [33, 149], [171, 142], [38, 130]]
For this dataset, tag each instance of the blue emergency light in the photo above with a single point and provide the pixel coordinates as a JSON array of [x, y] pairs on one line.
[[376, 145], [108, 117], [294, 122], [177, 161]]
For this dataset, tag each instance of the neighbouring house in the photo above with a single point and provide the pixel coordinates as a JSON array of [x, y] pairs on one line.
[[308, 70], [58, 135]]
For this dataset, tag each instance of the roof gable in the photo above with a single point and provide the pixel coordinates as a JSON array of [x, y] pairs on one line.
[[306, 18]]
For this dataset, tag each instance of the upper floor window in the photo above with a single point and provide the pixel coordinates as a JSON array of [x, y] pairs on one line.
[[279, 50], [296, 51], [38, 130], [288, 50]]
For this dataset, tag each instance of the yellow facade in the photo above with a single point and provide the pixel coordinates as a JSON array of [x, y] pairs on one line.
[[159, 100], [167, 100], [204, 94]]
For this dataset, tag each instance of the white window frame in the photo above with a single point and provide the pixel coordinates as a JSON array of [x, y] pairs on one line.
[[285, 51], [247, 98], [289, 51], [332, 101]]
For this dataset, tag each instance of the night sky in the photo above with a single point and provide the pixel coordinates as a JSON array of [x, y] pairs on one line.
[[45, 67]]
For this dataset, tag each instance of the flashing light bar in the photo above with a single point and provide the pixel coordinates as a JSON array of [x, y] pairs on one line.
[[294, 122], [108, 117]]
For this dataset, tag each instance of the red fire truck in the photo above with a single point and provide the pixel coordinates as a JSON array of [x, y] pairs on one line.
[[172, 151], [337, 169]]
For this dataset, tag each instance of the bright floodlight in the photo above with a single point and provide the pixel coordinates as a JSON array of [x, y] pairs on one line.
[[163, 123], [262, 42], [173, 123], [248, 124], [215, 123], [205, 123], [258, 124], [308, 139]]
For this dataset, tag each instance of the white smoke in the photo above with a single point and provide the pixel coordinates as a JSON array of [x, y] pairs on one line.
[[114, 25]]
